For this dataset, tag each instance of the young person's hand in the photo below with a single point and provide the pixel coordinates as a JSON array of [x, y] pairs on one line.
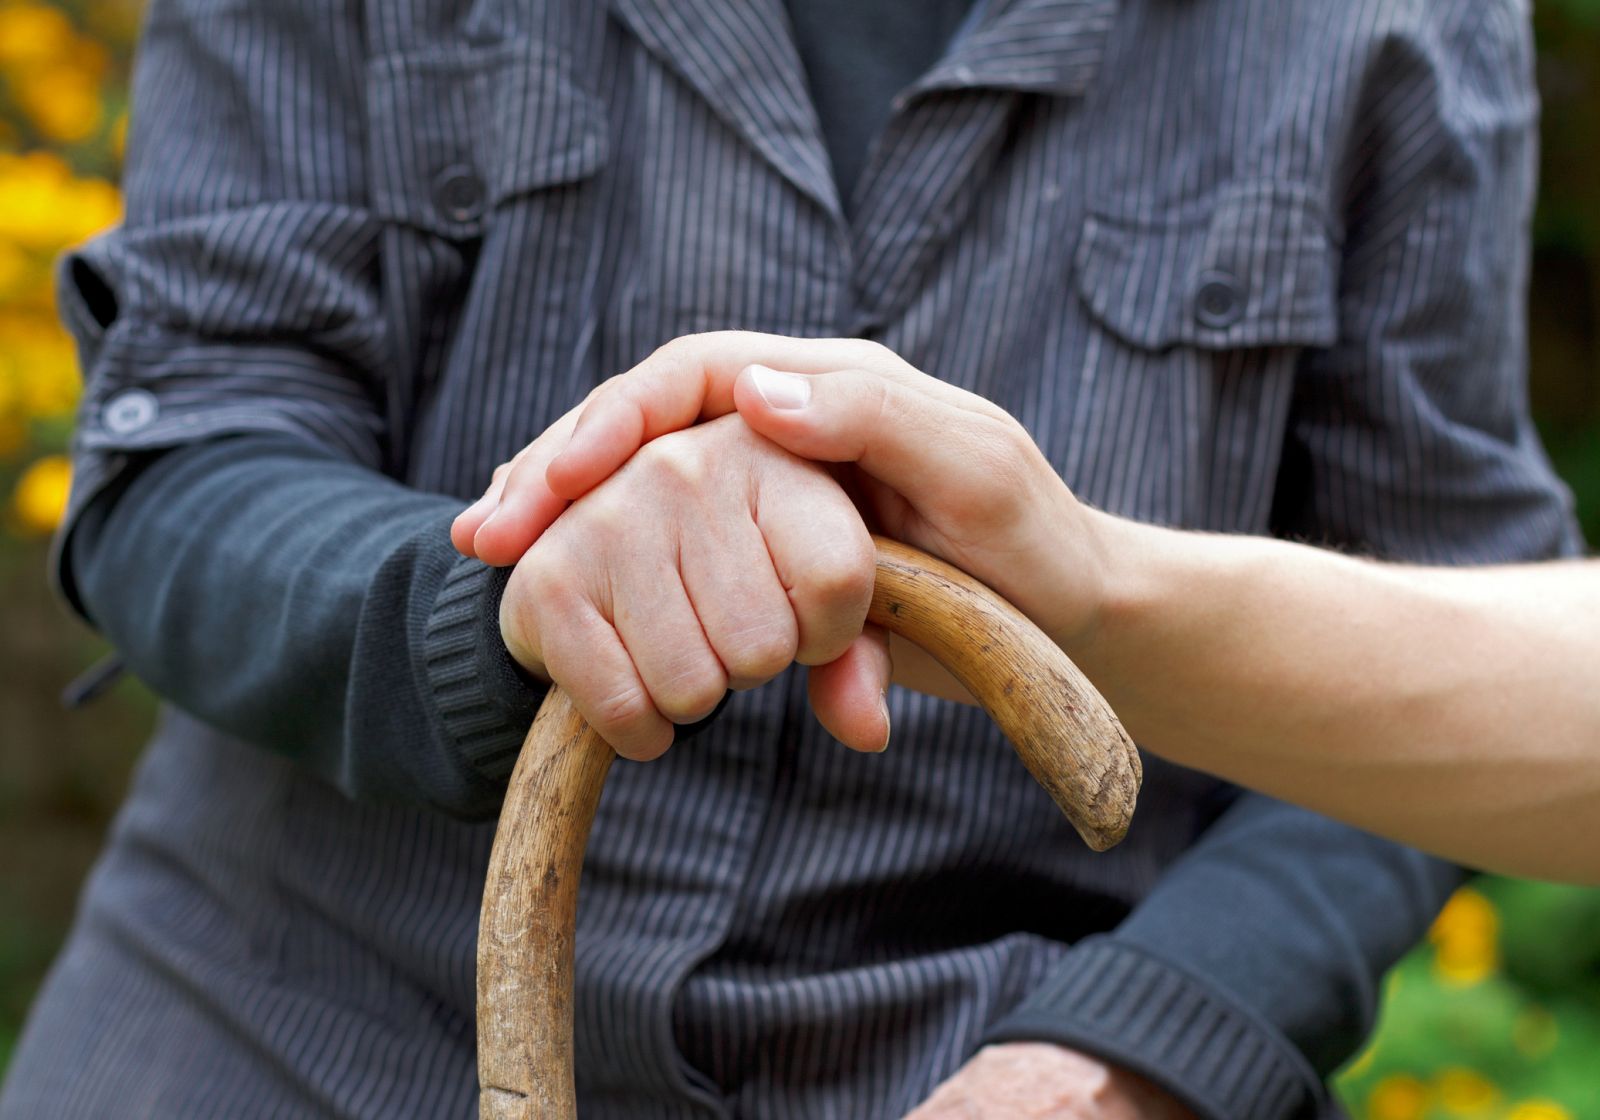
[[1046, 1082], [711, 560], [935, 466]]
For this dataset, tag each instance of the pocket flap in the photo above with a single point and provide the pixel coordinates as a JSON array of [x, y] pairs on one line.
[[1255, 265], [456, 132]]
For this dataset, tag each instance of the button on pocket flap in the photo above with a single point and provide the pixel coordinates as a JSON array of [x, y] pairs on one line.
[[1255, 265], [457, 132]]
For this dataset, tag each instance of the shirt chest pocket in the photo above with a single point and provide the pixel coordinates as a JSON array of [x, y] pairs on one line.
[[458, 136], [485, 172], [1253, 266], [1193, 320]]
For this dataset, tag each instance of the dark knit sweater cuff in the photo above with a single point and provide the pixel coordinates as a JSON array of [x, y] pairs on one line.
[[485, 701], [1131, 1009]]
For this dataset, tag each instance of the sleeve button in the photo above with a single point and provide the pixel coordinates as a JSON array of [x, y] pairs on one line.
[[129, 411], [459, 194], [1219, 302]]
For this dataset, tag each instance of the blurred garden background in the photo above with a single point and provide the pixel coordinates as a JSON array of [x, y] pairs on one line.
[[1497, 1017]]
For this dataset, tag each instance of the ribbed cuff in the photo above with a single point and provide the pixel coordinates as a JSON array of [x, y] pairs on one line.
[[484, 700], [1121, 1004]]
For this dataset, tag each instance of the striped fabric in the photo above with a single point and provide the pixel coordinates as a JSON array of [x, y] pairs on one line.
[[1242, 265]]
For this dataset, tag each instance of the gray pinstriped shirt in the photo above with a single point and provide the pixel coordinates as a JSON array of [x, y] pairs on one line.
[[1244, 265]]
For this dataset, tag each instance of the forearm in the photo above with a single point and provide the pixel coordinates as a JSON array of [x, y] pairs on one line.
[[1452, 709], [299, 602]]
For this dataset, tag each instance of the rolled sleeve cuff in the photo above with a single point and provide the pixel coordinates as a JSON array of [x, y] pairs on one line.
[[1123, 1005], [483, 699]]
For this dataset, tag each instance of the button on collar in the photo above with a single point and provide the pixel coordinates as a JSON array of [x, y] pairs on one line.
[[458, 192], [1219, 301], [129, 411]]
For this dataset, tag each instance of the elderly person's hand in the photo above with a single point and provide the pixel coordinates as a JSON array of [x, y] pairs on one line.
[[711, 560], [1041, 1081]]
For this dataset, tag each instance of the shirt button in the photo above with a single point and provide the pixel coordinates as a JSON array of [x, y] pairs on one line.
[[1220, 301], [458, 193], [129, 411]]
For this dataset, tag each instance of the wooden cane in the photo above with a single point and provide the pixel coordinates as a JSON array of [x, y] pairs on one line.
[[1060, 726]]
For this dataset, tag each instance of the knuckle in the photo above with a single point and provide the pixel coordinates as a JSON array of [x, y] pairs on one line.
[[624, 711], [760, 651], [678, 460], [871, 354], [840, 573], [595, 530], [679, 351], [690, 690]]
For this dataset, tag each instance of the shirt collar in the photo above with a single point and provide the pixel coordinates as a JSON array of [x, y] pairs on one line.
[[1041, 46], [739, 55]]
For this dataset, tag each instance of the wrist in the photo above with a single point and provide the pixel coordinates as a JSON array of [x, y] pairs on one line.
[[1083, 554], [482, 699]]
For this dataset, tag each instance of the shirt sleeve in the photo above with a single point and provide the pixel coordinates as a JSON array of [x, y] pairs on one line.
[[235, 430], [1253, 969], [366, 648], [240, 292]]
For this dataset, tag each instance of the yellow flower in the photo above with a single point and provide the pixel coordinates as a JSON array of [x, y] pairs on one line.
[[38, 366], [41, 495], [1398, 1097], [1466, 939], [14, 271], [1466, 1092], [63, 101], [32, 33], [1539, 1110], [44, 208]]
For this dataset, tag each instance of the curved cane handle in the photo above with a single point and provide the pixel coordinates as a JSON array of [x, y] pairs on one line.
[[1061, 727]]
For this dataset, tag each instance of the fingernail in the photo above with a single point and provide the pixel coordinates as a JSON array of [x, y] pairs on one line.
[[787, 391], [883, 706]]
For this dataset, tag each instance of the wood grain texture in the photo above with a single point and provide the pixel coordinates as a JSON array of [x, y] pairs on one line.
[[529, 915], [1063, 730], [1060, 725]]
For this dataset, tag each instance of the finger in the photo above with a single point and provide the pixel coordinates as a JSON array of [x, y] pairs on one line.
[[582, 652], [534, 502], [915, 439], [524, 507], [627, 413], [662, 634], [741, 604], [688, 380], [849, 693], [822, 554], [467, 523]]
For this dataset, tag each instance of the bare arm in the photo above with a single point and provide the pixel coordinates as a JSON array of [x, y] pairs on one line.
[[1457, 710]]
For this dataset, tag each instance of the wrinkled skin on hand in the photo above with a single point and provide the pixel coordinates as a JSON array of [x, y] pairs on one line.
[[1042, 1081], [711, 560]]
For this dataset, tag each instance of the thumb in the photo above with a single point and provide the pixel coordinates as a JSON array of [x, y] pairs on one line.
[[905, 436], [849, 694]]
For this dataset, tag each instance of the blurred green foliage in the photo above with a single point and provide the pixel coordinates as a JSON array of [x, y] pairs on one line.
[[1497, 1017]]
